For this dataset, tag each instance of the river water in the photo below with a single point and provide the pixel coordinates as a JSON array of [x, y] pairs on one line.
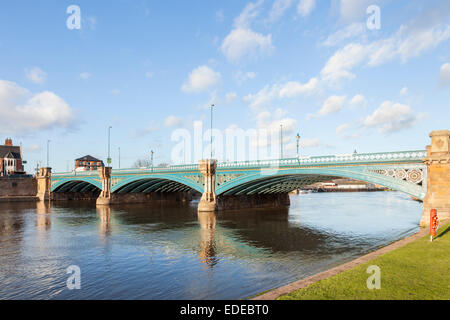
[[171, 252]]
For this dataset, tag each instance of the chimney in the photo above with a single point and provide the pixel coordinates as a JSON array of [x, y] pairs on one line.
[[8, 142]]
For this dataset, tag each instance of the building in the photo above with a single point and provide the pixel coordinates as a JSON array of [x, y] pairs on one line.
[[88, 163], [10, 159]]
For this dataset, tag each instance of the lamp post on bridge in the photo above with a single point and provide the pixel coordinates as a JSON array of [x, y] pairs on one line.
[[119, 157], [151, 159], [48, 154], [298, 145], [212, 106], [281, 141], [109, 146]]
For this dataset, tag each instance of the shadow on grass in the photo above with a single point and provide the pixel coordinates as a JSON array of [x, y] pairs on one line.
[[444, 232]]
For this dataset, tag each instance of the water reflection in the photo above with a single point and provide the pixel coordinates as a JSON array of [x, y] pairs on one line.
[[207, 221], [172, 252], [104, 214]]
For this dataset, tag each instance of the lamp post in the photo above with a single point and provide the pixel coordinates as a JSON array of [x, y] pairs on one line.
[[298, 141], [48, 154], [119, 157], [109, 146], [212, 106], [281, 141], [151, 159]]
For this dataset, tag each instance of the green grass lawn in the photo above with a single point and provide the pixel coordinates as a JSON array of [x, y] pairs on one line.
[[419, 270]]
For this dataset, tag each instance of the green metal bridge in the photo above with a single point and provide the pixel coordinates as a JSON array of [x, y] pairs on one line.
[[403, 171]]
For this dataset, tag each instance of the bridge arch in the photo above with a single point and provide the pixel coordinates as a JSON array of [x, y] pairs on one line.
[[154, 183], [76, 184], [286, 180]]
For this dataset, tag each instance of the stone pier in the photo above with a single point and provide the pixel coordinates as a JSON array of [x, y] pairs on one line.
[[438, 177], [208, 201], [105, 195], [44, 184]]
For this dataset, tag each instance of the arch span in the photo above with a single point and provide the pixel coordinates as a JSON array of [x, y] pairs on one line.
[[286, 180], [154, 183], [76, 185]]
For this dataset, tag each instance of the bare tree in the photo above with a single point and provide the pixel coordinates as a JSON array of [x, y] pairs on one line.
[[142, 163]]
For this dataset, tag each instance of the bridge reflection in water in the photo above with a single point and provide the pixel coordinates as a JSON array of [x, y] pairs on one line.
[[174, 252]]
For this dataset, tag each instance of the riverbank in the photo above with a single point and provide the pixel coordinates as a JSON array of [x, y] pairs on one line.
[[412, 268], [19, 199]]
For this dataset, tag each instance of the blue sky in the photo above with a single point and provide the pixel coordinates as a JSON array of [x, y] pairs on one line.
[[148, 68]]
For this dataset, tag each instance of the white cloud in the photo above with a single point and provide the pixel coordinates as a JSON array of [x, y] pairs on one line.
[[230, 97], [244, 43], [404, 91], [23, 112], [294, 88], [354, 9], [262, 98], [84, 75], [36, 75], [344, 60], [201, 79], [332, 105], [392, 117], [342, 128], [115, 92], [279, 7], [309, 143], [33, 148], [358, 101], [268, 94], [152, 127], [241, 77], [444, 75], [250, 12], [149, 74], [305, 7], [350, 31], [172, 121], [220, 16], [408, 42]]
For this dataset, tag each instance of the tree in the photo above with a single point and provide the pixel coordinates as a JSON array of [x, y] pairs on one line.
[[142, 163]]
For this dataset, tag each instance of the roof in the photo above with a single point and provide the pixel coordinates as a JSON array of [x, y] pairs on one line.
[[10, 152], [88, 158]]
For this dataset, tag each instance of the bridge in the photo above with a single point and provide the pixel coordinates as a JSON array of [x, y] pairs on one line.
[[422, 174]]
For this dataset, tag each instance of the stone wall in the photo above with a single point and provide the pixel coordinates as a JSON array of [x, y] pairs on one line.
[[70, 196], [234, 202], [18, 187], [154, 197]]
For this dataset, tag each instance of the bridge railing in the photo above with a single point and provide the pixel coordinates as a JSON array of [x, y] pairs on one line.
[[339, 159], [366, 158]]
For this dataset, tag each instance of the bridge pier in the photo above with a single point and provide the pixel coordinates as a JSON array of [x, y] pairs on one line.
[[105, 196], [44, 184], [208, 202], [438, 177]]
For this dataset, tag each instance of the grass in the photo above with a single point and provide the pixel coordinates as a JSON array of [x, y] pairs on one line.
[[417, 271]]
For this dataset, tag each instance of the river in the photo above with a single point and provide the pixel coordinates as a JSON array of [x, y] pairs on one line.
[[172, 252]]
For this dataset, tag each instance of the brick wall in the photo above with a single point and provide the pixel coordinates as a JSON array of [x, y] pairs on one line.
[[18, 187]]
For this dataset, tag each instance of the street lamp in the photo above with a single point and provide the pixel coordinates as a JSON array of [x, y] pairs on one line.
[[109, 146], [151, 159], [298, 140], [48, 154], [281, 141], [212, 106], [119, 157]]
